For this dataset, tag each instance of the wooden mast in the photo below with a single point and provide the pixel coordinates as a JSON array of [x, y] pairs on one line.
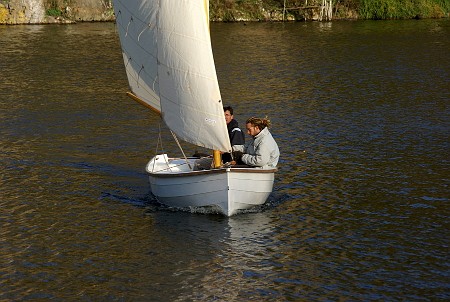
[[217, 159]]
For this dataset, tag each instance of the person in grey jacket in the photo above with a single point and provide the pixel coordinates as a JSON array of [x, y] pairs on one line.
[[262, 151]]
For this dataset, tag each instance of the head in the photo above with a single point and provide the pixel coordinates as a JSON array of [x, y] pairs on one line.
[[254, 125], [228, 113]]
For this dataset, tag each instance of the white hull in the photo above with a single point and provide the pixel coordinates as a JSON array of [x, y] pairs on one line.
[[228, 190]]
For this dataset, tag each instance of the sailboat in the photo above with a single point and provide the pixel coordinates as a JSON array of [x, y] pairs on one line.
[[169, 63]]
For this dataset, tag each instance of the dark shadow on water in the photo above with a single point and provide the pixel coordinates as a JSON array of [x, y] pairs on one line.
[[151, 205], [138, 202]]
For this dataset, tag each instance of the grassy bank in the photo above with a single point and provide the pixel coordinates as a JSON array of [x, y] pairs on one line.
[[270, 10], [63, 11], [403, 9]]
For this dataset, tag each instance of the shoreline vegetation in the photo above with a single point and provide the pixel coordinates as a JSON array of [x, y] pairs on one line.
[[64, 11]]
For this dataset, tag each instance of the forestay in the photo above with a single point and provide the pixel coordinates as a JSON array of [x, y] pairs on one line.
[[169, 63]]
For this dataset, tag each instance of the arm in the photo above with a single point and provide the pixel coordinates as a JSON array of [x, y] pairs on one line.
[[260, 159]]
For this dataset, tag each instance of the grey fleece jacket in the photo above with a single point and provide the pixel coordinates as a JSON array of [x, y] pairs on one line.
[[261, 151]]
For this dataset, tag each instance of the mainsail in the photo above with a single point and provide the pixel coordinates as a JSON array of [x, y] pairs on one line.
[[169, 63]]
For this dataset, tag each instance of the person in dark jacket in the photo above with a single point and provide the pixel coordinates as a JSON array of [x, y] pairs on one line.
[[237, 136]]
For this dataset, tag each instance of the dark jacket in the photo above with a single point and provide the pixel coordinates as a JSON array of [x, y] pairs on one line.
[[237, 137], [235, 133]]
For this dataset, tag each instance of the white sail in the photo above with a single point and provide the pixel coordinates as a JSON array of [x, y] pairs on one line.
[[168, 58]]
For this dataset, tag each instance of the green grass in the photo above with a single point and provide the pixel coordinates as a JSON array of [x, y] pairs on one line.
[[232, 10], [53, 12], [402, 9]]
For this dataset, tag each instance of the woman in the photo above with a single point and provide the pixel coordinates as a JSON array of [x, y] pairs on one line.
[[262, 151]]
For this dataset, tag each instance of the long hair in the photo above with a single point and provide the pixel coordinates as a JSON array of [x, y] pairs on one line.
[[261, 123]]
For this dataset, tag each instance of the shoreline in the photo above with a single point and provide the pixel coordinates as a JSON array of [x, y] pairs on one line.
[[13, 12], [69, 22]]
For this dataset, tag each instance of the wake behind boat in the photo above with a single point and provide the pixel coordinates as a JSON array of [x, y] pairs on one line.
[[169, 63]]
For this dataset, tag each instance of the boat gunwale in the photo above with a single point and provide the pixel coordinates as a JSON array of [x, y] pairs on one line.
[[212, 171]]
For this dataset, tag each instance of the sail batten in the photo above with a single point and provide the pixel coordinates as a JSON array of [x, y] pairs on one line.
[[170, 66]]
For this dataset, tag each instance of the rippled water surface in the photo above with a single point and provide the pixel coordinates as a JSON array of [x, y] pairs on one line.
[[359, 211]]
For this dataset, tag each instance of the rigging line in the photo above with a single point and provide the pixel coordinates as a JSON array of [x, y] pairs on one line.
[[126, 34], [126, 9], [129, 60], [132, 77], [181, 149], [119, 14], [129, 22], [136, 20], [156, 154], [159, 141], [159, 138], [169, 168], [149, 25], [155, 80], [139, 75]]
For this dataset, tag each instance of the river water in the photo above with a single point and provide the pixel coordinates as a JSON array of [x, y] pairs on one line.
[[359, 211]]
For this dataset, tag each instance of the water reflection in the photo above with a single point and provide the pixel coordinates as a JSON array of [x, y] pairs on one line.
[[240, 260]]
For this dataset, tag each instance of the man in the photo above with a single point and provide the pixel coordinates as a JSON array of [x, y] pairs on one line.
[[237, 137], [262, 151]]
